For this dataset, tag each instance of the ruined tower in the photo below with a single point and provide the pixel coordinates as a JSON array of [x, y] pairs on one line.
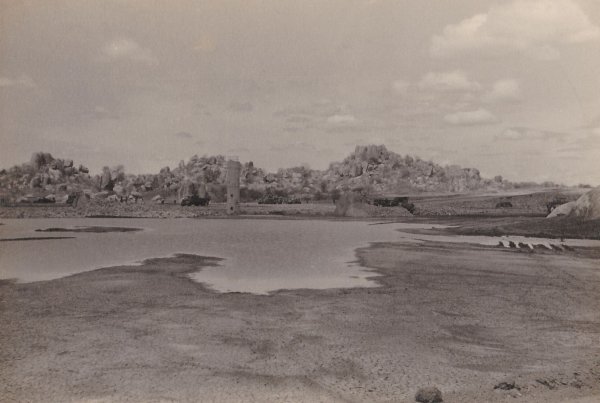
[[234, 169]]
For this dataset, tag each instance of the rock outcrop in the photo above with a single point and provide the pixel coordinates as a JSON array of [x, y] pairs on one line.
[[562, 210], [587, 207], [372, 170]]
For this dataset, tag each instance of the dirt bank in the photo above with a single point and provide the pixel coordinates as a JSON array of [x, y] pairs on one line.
[[528, 203], [460, 317], [558, 227]]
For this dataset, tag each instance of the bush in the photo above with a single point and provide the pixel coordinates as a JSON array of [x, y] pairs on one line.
[[250, 195]]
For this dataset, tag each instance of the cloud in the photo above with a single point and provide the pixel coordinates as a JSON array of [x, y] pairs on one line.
[[238, 150], [128, 49], [237, 106], [504, 91], [100, 112], [22, 81], [400, 86], [205, 44], [471, 118], [448, 81], [184, 135], [534, 27], [341, 119], [511, 134], [528, 133]]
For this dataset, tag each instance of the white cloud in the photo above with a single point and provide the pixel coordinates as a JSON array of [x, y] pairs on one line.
[[341, 119], [239, 106], [184, 135], [448, 81], [528, 133], [504, 90], [400, 86], [22, 81], [511, 134], [470, 118], [534, 27], [124, 48], [205, 44]]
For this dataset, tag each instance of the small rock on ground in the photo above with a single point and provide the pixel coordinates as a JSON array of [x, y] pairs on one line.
[[429, 395]]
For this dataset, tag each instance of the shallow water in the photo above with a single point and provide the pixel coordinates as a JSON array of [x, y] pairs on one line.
[[259, 255]]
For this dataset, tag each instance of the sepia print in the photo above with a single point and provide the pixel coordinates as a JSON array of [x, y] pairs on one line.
[[300, 201]]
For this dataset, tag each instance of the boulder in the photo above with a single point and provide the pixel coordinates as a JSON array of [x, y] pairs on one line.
[[587, 207], [100, 195], [63, 199], [356, 170], [187, 190], [562, 210], [119, 190], [429, 395], [372, 153], [68, 163], [106, 182], [202, 191], [270, 178], [35, 182], [55, 175], [83, 169]]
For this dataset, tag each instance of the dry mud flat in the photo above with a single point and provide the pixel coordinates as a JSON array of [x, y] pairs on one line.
[[463, 318]]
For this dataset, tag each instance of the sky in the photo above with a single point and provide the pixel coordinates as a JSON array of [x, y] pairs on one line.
[[511, 87]]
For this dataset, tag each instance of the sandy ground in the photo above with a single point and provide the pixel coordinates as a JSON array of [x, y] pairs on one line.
[[460, 317]]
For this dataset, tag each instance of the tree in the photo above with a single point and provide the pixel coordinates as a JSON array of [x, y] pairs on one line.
[[335, 195]]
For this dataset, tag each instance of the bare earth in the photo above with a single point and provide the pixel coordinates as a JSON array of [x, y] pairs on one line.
[[460, 317]]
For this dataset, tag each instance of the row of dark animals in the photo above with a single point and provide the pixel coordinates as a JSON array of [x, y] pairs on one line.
[[521, 245]]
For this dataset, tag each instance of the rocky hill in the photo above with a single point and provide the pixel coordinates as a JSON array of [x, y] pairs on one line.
[[370, 170], [44, 175], [383, 171]]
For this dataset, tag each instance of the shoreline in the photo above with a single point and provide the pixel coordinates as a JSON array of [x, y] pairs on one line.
[[336, 344], [486, 225]]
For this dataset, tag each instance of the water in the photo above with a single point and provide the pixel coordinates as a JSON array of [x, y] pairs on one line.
[[260, 255]]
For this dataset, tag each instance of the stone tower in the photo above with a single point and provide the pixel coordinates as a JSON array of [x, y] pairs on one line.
[[234, 169]]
